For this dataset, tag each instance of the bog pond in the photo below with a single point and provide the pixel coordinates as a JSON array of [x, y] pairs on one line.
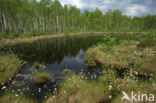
[[56, 55]]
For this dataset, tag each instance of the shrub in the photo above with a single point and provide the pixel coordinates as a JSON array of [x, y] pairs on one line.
[[148, 40], [11, 35], [108, 42], [26, 34]]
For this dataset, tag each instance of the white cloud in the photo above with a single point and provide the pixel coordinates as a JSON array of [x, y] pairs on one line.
[[71, 2], [136, 10], [128, 7]]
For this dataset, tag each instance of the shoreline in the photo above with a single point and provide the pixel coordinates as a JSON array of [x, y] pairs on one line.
[[9, 42]]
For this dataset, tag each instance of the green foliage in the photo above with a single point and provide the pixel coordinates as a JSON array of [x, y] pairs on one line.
[[108, 43], [127, 36], [2, 35], [26, 34], [149, 39], [11, 35]]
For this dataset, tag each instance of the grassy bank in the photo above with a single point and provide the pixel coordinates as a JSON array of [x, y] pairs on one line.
[[7, 42], [124, 57], [15, 98], [14, 41], [126, 54], [9, 66]]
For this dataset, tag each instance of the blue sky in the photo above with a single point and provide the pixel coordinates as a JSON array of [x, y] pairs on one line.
[[128, 7]]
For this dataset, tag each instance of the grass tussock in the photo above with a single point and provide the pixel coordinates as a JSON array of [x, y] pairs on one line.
[[145, 66], [41, 77], [108, 59], [125, 55], [14, 98], [38, 65], [76, 89], [66, 71], [9, 66]]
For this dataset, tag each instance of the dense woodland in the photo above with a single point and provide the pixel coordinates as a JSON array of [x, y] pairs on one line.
[[32, 17]]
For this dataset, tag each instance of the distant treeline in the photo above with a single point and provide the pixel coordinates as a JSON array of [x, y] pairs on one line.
[[48, 16]]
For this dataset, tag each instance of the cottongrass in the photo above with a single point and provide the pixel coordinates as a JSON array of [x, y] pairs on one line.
[[77, 89]]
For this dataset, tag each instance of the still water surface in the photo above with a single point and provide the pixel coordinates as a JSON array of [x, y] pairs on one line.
[[56, 55]]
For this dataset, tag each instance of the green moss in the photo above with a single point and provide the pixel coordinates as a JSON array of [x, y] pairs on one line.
[[14, 98], [9, 66], [41, 77]]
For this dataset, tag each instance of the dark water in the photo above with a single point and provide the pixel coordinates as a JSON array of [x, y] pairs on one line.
[[56, 55]]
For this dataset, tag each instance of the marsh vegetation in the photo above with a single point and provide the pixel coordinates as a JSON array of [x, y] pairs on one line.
[[53, 53], [111, 64], [125, 67]]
